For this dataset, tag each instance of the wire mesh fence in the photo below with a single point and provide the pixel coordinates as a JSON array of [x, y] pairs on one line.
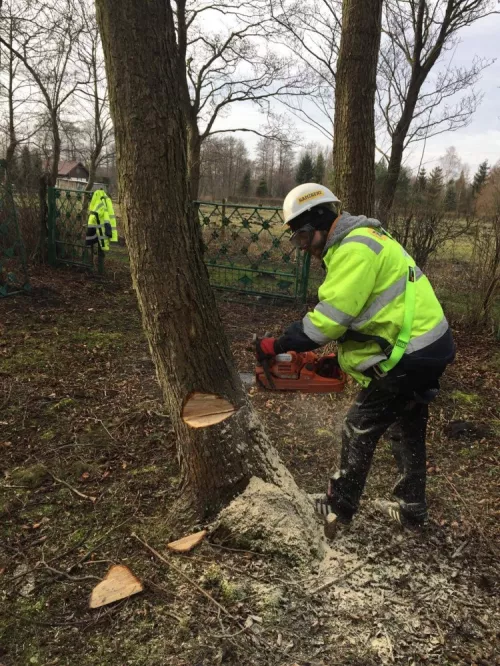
[[247, 250], [67, 224]]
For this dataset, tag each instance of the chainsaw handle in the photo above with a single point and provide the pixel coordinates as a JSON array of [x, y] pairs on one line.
[[263, 360]]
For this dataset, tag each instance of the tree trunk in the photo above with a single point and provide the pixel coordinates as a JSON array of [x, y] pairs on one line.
[[178, 307], [94, 158], [354, 125], [92, 172], [56, 149], [194, 157], [41, 251], [98, 129], [13, 142], [390, 183], [48, 179]]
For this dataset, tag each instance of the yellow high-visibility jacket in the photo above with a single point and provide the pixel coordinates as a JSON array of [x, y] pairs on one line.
[[101, 224], [361, 301]]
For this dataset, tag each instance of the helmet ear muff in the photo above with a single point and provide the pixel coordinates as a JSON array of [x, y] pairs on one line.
[[319, 217]]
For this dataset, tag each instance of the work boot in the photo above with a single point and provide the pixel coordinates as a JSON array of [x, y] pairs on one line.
[[393, 511]]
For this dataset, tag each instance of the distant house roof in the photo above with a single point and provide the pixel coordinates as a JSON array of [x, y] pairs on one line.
[[65, 168]]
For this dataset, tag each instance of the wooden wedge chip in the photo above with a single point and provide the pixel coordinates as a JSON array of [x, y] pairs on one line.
[[206, 409], [186, 544], [119, 583]]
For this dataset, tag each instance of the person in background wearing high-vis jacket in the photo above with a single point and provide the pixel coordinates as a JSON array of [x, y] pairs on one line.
[[392, 337]]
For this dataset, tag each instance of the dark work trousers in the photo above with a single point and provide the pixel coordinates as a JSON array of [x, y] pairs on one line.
[[391, 401]]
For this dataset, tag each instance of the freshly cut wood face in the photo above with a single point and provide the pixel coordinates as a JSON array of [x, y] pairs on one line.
[[186, 544], [206, 409], [119, 583]]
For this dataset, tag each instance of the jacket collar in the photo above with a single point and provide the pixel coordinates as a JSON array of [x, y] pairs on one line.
[[346, 224]]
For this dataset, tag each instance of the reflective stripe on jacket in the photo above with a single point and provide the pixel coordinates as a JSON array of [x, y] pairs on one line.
[[101, 225], [364, 292]]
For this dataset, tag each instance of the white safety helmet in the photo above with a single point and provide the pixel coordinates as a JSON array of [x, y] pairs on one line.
[[304, 197]]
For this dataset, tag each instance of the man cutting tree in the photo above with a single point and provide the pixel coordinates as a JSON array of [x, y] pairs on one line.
[[392, 337]]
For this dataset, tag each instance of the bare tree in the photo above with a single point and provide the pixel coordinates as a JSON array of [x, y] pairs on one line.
[[485, 278], [354, 128], [311, 31], [44, 46], [418, 33], [21, 121], [451, 164], [423, 230], [224, 161], [227, 67], [93, 97]]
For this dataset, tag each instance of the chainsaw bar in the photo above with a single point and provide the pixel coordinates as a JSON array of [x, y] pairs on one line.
[[248, 378]]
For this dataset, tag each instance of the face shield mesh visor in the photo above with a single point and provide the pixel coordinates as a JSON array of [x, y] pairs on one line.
[[319, 217], [302, 238]]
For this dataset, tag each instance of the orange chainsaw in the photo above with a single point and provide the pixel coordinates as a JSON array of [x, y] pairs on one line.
[[301, 371]]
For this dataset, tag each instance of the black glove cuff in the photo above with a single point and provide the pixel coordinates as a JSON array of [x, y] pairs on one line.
[[294, 339]]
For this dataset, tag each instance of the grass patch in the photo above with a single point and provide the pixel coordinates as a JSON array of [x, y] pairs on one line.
[[93, 340]]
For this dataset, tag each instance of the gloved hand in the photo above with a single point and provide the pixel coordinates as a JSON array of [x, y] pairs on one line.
[[328, 366], [264, 349]]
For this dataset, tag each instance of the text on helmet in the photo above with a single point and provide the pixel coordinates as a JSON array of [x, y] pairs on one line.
[[311, 195]]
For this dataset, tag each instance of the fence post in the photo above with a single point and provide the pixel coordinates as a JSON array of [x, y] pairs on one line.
[[223, 217], [100, 261], [51, 226]]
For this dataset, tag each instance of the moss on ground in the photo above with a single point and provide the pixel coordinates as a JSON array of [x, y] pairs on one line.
[[468, 399], [32, 477]]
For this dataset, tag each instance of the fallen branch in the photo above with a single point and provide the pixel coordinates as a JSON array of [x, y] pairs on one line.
[[102, 423], [97, 544], [77, 492], [186, 577], [359, 566], [64, 574], [236, 550]]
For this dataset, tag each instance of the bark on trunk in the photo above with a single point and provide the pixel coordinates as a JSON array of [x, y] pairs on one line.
[[91, 178], [178, 307], [48, 179], [41, 251], [354, 125], [98, 130], [56, 152], [194, 157]]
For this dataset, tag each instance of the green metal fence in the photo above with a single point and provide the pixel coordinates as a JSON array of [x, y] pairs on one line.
[[247, 250], [67, 224], [13, 271]]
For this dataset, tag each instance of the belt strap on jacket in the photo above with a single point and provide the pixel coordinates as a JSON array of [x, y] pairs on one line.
[[357, 336], [405, 333]]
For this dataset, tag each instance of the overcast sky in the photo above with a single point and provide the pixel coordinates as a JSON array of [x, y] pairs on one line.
[[475, 143]]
